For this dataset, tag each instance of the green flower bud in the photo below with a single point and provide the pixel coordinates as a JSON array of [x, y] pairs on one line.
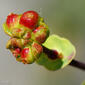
[[40, 34], [36, 50], [26, 55]]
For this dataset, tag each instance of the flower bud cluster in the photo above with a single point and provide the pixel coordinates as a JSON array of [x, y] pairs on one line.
[[27, 31]]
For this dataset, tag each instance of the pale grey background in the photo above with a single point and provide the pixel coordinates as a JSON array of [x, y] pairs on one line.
[[65, 18]]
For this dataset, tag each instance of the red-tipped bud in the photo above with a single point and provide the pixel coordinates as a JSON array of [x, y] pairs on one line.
[[24, 52], [40, 34], [26, 56], [11, 20], [36, 50], [29, 19], [16, 52]]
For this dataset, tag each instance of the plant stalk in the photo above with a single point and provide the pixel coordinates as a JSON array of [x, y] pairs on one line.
[[78, 64]]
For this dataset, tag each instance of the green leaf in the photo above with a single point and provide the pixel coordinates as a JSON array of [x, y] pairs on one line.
[[83, 83], [62, 46]]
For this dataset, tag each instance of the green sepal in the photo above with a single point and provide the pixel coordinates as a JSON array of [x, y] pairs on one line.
[[7, 30], [48, 63]]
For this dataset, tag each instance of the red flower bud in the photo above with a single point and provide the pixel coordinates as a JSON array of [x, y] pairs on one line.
[[11, 19], [16, 52], [29, 19], [24, 52]]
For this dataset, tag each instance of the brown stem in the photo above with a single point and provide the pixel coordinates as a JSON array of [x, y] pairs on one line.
[[53, 55], [78, 64]]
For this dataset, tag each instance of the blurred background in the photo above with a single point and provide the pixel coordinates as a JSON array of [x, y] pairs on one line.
[[65, 18]]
